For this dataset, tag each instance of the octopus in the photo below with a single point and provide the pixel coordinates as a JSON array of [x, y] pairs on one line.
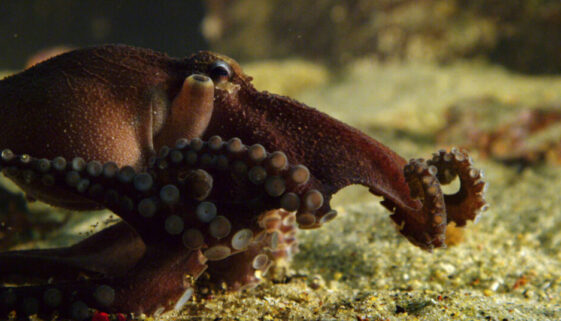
[[210, 177]]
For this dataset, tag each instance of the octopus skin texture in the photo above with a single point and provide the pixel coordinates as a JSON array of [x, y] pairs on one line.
[[209, 176]]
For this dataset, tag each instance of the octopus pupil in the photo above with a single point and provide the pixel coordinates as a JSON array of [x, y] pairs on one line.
[[220, 71]]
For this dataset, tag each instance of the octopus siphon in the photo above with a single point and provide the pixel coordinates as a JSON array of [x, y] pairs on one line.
[[208, 174]]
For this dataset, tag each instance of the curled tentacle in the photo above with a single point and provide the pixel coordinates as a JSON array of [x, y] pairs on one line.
[[426, 227], [468, 202]]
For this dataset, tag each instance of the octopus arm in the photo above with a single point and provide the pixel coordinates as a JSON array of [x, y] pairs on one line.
[[162, 277], [113, 251], [339, 155], [171, 208], [426, 227]]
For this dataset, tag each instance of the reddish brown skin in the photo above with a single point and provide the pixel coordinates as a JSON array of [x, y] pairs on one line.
[[109, 103]]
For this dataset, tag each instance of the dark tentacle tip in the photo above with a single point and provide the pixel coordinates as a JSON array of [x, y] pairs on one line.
[[427, 226]]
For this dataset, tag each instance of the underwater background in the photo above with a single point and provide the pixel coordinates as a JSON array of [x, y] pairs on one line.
[[417, 75]]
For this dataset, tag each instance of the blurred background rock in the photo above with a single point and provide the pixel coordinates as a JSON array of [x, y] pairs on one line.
[[520, 34]]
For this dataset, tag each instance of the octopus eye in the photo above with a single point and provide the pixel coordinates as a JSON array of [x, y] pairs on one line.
[[220, 71]]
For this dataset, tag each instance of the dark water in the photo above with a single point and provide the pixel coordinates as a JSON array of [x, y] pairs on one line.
[[29, 26]]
